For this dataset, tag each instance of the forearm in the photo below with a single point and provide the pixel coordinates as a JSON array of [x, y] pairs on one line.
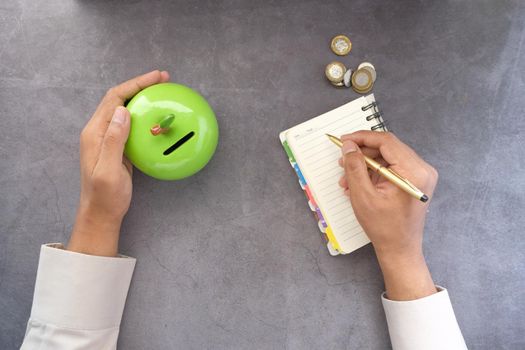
[[95, 235]]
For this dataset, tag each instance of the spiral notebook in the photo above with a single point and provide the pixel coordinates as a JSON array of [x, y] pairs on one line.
[[315, 161]]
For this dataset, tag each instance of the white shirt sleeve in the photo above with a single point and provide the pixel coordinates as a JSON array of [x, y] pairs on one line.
[[428, 323], [78, 300]]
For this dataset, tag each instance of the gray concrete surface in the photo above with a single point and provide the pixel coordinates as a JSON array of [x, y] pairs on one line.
[[231, 258]]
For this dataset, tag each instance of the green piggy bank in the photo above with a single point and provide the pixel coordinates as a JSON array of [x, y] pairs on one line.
[[174, 132]]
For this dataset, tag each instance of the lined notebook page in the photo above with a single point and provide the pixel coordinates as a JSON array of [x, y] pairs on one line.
[[318, 158]]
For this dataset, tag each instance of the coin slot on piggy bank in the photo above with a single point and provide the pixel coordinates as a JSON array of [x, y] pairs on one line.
[[178, 143]]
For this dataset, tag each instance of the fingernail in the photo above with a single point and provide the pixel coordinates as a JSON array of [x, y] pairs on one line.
[[165, 75], [119, 116], [349, 147]]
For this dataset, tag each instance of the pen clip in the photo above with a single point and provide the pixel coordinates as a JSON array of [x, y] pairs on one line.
[[404, 180]]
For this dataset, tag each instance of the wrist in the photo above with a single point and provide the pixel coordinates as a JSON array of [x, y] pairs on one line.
[[406, 254], [95, 233], [406, 274]]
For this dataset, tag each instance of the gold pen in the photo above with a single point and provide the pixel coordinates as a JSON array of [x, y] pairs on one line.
[[389, 174]]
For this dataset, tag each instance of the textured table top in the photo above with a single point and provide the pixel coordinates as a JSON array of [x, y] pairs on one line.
[[231, 258]]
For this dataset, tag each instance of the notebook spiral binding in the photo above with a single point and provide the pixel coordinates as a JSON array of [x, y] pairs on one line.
[[377, 115]]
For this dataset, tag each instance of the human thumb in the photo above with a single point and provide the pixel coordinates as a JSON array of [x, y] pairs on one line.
[[356, 171], [115, 138]]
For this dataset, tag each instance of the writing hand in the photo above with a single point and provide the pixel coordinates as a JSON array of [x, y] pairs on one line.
[[392, 219]]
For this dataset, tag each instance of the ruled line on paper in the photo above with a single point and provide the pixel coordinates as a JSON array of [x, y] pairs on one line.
[[324, 161], [314, 141], [340, 210], [327, 154], [336, 202], [341, 215], [326, 178], [347, 220], [334, 190], [343, 120]]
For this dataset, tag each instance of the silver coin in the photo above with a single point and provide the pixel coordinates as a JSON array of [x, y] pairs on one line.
[[347, 78]]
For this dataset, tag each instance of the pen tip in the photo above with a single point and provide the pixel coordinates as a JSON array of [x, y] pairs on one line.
[[424, 198]]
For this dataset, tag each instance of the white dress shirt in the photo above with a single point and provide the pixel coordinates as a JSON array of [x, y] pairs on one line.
[[79, 300]]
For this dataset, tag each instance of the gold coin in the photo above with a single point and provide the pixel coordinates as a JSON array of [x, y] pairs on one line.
[[341, 45], [337, 84], [364, 91], [335, 71], [370, 67], [362, 81]]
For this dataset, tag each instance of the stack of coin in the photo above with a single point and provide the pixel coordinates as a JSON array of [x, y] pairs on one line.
[[361, 80], [335, 72], [369, 67]]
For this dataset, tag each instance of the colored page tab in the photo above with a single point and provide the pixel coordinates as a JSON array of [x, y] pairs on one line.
[[331, 239], [309, 195], [321, 218], [302, 181], [288, 151]]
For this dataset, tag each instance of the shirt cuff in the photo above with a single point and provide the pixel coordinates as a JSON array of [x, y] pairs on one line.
[[426, 323], [80, 291]]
